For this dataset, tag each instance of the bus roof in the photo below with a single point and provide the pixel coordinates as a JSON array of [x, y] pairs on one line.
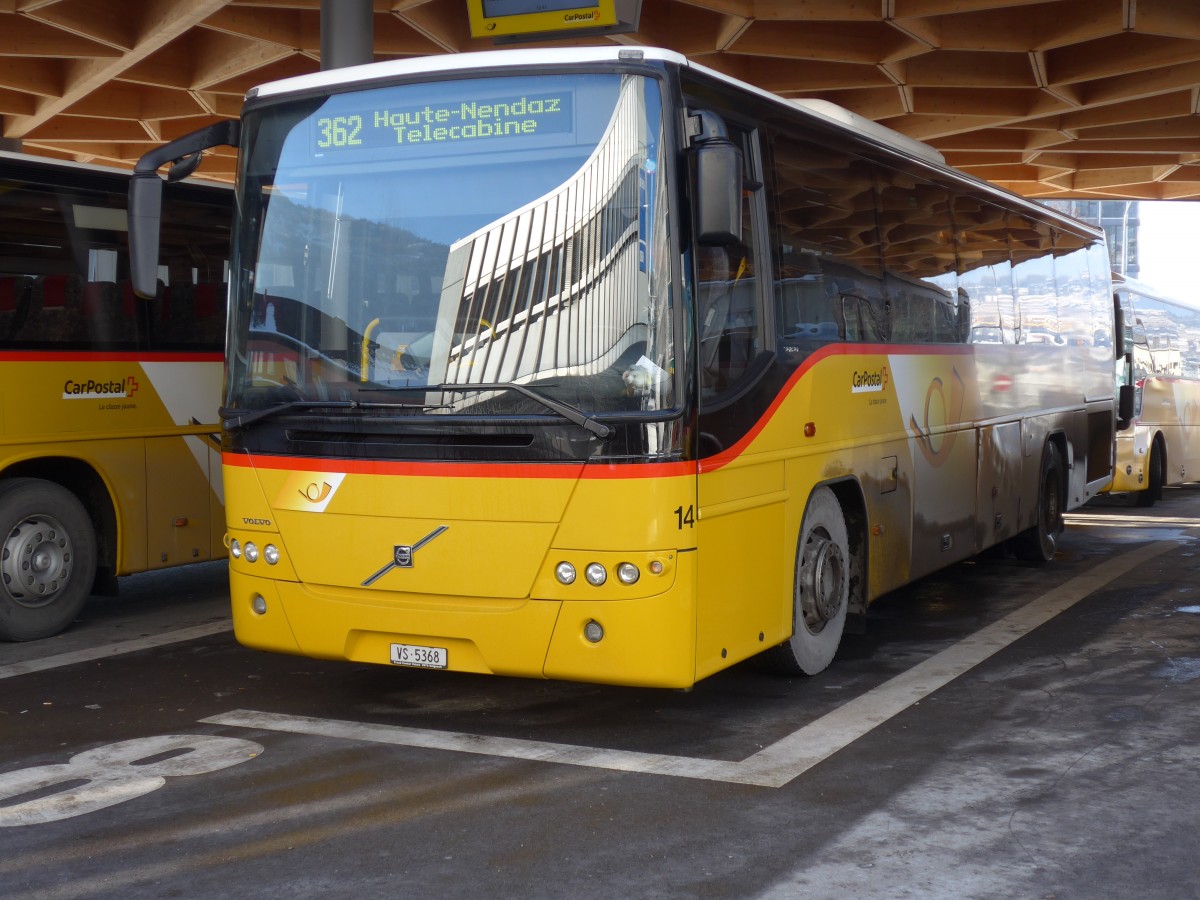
[[1133, 286], [491, 59]]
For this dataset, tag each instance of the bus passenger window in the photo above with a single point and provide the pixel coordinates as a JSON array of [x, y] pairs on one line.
[[728, 315]]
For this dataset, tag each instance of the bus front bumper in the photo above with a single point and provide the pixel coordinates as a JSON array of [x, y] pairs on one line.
[[647, 642]]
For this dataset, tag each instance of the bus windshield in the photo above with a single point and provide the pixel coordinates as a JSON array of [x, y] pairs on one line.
[[474, 233]]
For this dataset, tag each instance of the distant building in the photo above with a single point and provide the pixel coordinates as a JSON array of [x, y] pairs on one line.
[[1118, 218]]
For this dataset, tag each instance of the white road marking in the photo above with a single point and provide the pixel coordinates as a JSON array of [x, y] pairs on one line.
[[131, 646], [775, 765]]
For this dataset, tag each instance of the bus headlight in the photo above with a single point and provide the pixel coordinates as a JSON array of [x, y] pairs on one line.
[[251, 552], [595, 574], [271, 554], [565, 573], [628, 573], [235, 548]]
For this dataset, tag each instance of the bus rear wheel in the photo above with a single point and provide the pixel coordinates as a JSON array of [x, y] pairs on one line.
[[1038, 543], [47, 558], [1155, 472], [821, 589]]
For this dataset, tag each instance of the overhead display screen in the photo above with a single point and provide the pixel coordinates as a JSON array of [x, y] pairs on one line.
[[495, 18], [459, 122]]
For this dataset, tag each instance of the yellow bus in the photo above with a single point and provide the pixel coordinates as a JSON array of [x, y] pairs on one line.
[[1161, 445], [108, 407], [596, 364]]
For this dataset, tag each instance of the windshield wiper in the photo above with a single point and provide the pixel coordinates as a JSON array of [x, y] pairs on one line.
[[572, 414], [237, 418]]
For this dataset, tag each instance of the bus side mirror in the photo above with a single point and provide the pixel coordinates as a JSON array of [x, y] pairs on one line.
[[1125, 397], [1120, 338], [145, 212], [145, 196], [718, 167]]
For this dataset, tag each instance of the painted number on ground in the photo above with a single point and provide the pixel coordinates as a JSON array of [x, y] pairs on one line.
[[113, 774]]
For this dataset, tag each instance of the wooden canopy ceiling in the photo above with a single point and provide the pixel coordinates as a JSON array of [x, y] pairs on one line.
[[1066, 98]]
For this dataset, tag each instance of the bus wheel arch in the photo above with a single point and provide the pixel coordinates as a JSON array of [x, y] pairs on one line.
[[47, 558], [827, 580], [1039, 542], [92, 491], [1156, 473]]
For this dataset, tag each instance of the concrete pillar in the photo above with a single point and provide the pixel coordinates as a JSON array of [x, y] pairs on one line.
[[347, 33]]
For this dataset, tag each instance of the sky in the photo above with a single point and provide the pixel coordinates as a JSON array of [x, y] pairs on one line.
[[1169, 247]]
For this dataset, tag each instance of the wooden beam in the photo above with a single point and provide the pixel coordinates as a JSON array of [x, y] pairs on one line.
[[443, 24], [41, 77], [1118, 55], [92, 21], [22, 36], [160, 22], [128, 101], [219, 57]]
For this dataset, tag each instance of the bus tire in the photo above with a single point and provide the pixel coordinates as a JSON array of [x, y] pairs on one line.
[[820, 590], [47, 558], [1155, 472], [1037, 544]]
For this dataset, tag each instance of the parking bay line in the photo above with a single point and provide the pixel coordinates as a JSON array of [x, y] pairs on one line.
[[775, 765], [104, 652]]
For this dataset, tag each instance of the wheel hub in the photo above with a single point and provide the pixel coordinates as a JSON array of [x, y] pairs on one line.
[[35, 562], [823, 582]]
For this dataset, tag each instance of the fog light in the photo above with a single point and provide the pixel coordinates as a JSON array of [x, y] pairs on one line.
[[235, 548], [271, 554], [251, 552], [628, 573], [593, 631], [565, 573], [656, 567], [259, 604], [595, 574]]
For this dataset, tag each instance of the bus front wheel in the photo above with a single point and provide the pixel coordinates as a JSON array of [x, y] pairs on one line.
[[1037, 544], [1155, 476], [821, 589], [47, 558]]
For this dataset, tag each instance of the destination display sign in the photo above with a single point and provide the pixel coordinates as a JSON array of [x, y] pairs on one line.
[[458, 122]]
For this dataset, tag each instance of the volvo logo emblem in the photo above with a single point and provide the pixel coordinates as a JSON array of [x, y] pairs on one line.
[[402, 555]]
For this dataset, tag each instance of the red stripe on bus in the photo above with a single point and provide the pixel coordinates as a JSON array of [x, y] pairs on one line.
[[108, 356], [460, 469]]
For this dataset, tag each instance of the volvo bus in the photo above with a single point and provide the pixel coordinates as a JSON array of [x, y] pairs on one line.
[[1161, 445], [109, 462], [596, 364]]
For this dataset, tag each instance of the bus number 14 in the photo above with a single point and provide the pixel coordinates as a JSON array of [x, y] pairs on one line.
[[685, 516]]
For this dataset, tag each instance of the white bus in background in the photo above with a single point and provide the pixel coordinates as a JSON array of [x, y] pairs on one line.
[[1161, 445]]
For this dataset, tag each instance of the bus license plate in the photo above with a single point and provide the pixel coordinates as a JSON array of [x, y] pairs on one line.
[[422, 657]]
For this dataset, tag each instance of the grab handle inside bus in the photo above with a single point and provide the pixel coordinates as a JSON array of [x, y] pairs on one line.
[[718, 167], [145, 196]]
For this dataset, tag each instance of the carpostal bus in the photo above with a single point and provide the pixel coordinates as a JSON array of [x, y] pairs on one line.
[[596, 364], [1161, 445], [108, 403]]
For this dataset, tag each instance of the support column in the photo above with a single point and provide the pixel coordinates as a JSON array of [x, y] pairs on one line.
[[347, 33]]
